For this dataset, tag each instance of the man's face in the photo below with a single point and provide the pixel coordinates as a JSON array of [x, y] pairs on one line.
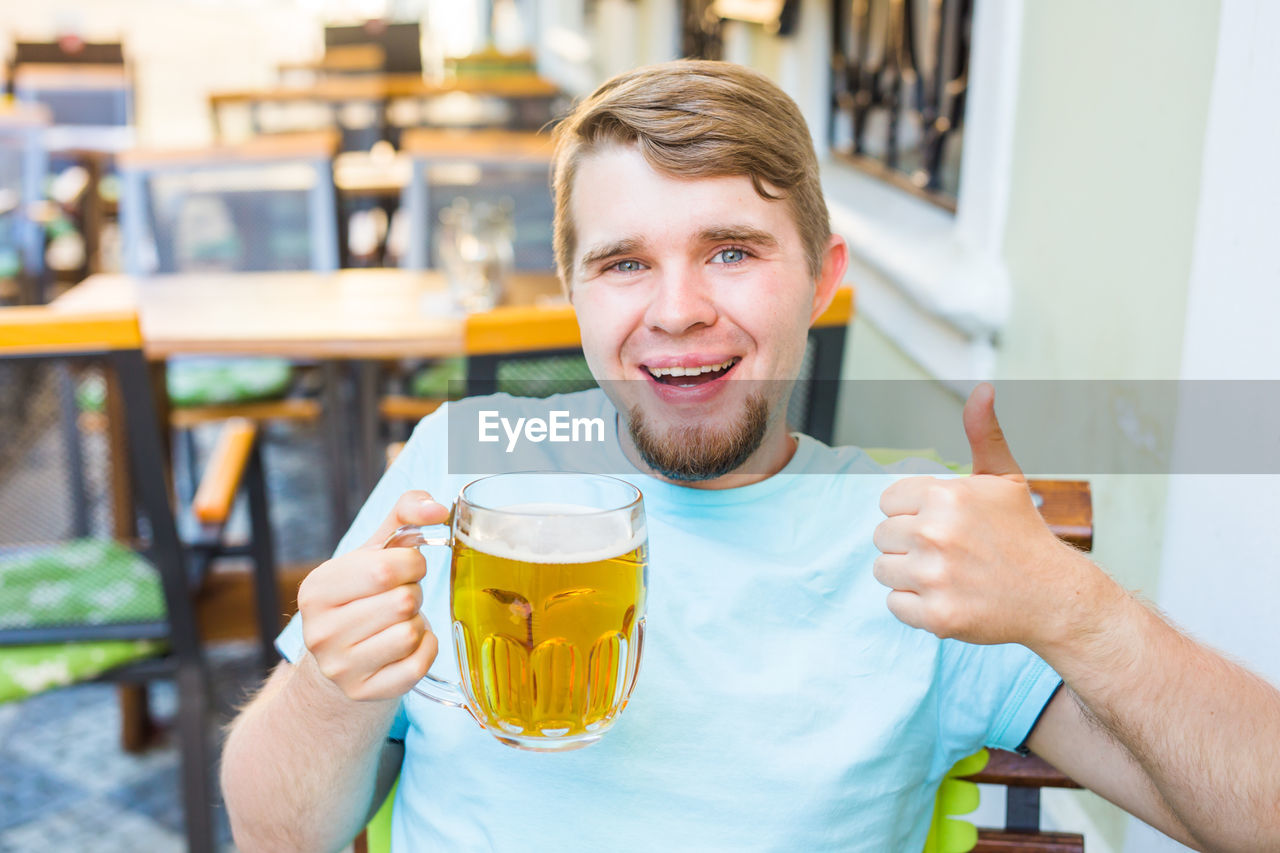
[[697, 292]]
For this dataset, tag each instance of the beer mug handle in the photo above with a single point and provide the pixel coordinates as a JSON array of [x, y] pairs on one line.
[[436, 689]]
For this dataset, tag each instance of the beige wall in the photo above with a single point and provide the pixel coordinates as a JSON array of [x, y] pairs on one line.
[[1111, 118], [1102, 217]]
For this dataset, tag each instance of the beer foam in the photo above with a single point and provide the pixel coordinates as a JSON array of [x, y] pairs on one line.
[[552, 533]]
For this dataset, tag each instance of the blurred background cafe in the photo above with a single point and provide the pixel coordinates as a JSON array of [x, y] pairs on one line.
[[246, 246]]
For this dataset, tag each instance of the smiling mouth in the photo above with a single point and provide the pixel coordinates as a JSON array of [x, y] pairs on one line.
[[688, 377]]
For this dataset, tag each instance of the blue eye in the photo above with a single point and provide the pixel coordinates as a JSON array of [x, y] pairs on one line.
[[628, 266], [729, 256]]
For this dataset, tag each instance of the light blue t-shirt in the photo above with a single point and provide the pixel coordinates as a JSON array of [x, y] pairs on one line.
[[779, 705]]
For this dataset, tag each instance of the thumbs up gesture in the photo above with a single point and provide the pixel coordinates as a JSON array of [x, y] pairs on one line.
[[970, 558]]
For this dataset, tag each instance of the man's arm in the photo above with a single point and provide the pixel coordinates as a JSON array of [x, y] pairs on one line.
[[300, 765], [971, 559], [1068, 738], [1204, 731]]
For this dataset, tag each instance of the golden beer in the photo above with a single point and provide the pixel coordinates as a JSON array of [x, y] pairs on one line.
[[546, 602], [548, 650]]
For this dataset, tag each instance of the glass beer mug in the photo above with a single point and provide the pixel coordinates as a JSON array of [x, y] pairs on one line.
[[547, 597]]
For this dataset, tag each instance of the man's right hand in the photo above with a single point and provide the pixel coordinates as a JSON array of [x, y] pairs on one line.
[[360, 612]]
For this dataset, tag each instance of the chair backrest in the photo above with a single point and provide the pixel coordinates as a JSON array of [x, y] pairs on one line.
[[265, 205], [484, 167], [401, 44], [82, 461], [68, 52], [78, 94], [23, 166]]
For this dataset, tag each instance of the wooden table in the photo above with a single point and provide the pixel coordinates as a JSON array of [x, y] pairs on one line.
[[530, 97], [348, 320], [350, 314], [382, 86]]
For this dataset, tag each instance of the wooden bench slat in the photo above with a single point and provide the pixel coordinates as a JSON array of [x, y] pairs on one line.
[[999, 841], [1021, 771], [1067, 507]]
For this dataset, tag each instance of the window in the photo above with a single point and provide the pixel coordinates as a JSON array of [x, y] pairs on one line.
[[899, 82]]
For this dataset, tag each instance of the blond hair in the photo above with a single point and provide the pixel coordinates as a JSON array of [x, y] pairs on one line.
[[697, 119]]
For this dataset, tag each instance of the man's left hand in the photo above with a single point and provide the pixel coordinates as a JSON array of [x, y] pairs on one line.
[[970, 558]]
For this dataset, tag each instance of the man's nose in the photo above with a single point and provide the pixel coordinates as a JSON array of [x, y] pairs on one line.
[[681, 302]]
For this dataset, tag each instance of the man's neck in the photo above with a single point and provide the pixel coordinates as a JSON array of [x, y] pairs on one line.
[[769, 458]]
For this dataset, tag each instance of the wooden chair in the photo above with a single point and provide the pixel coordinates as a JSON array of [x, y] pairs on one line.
[[88, 592], [483, 167], [1023, 777], [267, 204]]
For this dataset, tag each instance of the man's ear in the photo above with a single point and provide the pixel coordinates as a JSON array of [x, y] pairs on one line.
[[835, 260]]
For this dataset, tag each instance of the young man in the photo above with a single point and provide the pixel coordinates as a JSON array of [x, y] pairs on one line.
[[780, 705]]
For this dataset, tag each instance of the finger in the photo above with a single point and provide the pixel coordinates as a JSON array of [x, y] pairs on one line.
[[906, 496], [398, 678], [907, 607], [894, 571], [360, 574], [895, 535], [363, 618], [413, 507], [389, 645], [991, 453]]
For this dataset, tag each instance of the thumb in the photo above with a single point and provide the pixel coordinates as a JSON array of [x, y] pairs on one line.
[[991, 453], [414, 507]]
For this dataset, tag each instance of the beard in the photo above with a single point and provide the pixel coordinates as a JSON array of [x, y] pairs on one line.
[[697, 452]]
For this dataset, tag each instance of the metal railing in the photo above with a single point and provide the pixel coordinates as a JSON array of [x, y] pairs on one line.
[[899, 82]]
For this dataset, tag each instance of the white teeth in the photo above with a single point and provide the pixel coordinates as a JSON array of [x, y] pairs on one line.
[[690, 371]]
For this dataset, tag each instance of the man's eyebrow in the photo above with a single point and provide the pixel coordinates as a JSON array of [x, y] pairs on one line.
[[625, 246], [739, 234]]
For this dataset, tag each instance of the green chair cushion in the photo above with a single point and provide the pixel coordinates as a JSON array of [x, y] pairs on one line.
[[213, 381], [81, 582], [542, 377], [10, 262], [28, 670], [890, 455], [91, 393], [948, 832], [378, 830], [519, 377], [434, 379]]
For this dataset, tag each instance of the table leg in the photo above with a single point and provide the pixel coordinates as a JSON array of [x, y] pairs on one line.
[[137, 728], [336, 449], [371, 463]]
